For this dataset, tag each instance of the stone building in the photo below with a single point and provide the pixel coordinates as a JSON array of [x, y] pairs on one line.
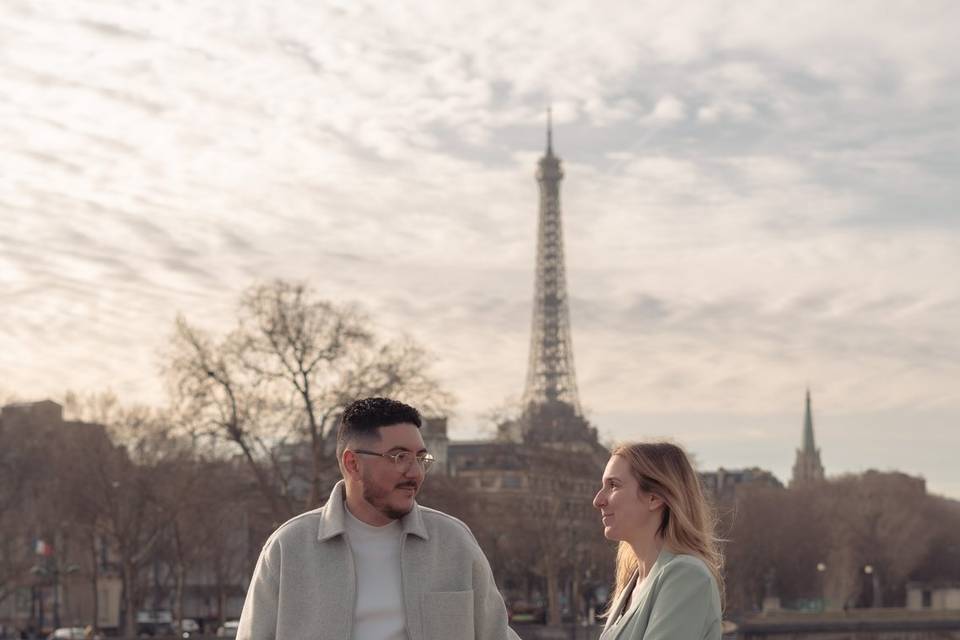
[[722, 485], [48, 569]]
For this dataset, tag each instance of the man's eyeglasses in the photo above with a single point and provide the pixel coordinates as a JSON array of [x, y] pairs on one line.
[[403, 460]]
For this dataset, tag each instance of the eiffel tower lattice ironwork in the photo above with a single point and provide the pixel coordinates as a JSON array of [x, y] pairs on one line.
[[551, 377]]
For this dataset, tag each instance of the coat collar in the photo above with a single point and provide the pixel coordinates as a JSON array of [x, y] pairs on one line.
[[618, 611], [333, 515]]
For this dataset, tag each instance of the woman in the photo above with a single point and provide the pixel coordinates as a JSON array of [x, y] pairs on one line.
[[668, 566]]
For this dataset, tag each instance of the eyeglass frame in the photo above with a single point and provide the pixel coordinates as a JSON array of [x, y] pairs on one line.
[[424, 460]]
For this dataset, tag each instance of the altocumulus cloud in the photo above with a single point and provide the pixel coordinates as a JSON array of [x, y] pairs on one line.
[[757, 197]]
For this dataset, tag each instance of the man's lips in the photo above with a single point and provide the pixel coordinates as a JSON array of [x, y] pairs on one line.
[[604, 517], [407, 487]]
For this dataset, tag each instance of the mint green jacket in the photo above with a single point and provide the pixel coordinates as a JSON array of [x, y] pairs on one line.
[[679, 600]]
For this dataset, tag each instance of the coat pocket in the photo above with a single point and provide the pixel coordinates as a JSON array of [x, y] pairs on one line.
[[447, 615]]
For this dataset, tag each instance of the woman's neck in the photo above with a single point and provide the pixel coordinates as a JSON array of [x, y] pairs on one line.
[[647, 551]]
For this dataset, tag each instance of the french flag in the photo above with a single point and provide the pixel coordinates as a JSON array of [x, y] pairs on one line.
[[42, 548]]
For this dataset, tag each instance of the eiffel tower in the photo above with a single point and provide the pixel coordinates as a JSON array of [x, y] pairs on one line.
[[547, 460], [551, 405]]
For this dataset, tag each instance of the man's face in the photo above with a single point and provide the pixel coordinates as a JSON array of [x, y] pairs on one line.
[[386, 487]]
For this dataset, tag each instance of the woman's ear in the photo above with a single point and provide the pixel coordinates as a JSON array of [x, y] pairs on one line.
[[654, 502]]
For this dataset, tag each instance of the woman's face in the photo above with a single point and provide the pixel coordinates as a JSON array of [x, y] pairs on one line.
[[626, 511]]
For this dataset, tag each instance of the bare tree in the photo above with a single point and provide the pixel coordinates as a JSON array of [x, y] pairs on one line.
[[774, 543], [227, 402], [284, 374], [877, 520]]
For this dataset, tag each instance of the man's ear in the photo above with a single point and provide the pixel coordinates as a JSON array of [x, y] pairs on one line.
[[349, 463]]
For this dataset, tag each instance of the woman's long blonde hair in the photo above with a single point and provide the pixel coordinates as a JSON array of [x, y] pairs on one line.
[[688, 520]]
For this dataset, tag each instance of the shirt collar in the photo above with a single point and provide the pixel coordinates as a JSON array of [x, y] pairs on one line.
[[333, 516]]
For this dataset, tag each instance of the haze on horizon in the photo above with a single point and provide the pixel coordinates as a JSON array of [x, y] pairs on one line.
[[758, 198]]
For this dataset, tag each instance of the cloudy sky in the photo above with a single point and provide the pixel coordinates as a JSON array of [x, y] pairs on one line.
[[759, 196]]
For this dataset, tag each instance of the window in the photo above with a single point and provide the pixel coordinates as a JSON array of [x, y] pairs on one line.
[[512, 481]]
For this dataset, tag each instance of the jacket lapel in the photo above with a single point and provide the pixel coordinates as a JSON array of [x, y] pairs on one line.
[[620, 603], [339, 603], [413, 568], [619, 611]]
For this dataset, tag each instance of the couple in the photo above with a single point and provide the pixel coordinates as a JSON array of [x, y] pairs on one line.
[[373, 565]]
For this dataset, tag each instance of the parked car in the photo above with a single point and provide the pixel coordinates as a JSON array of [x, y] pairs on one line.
[[154, 630], [188, 628], [68, 633], [521, 611], [228, 629]]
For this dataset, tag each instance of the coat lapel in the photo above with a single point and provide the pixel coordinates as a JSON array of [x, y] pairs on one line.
[[339, 603], [619, 611], [620, 603]]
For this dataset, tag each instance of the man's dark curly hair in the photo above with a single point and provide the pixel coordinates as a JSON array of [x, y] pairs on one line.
[[363, 417]]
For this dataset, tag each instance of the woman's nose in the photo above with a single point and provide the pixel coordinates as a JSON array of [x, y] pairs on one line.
[[598, 500]]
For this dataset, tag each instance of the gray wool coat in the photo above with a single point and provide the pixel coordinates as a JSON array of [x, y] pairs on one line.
[[304, 584]]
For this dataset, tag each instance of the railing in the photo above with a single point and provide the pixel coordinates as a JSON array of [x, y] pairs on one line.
[[563, 632]]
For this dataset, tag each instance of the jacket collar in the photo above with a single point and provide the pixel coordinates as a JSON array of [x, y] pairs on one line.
[[332, 517], [619, 611]]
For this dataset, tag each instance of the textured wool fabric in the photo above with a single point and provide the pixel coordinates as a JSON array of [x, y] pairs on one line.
[[304, 585]]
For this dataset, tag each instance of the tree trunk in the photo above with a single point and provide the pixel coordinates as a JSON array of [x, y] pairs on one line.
[[575, 596], [94, 578], [553, 593], [221, 593], [263, 483], [181, 571], [178, 595], [129, 601]]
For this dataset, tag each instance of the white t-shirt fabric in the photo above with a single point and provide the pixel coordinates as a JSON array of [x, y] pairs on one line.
[[379, 612]]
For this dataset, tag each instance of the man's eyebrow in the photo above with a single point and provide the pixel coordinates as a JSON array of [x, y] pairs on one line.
[[419, 451]]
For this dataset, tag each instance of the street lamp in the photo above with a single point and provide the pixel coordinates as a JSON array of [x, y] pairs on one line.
[[821, 574], [54, 572], [877, 600]]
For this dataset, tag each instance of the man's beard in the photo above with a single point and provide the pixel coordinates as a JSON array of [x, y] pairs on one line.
[[377, 499]]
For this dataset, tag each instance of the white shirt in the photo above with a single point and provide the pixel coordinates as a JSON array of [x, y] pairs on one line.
[[376, 555]]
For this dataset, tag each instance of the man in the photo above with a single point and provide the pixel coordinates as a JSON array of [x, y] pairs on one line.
[[372, 564]]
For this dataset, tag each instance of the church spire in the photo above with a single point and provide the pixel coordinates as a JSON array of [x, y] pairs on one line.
[[807, 467], [808, 444]]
